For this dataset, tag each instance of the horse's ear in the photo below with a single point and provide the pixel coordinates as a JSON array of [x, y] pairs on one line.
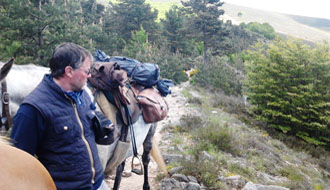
[[6, 68]]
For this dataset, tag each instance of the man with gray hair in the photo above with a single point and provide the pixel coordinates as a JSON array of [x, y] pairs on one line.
[[57, 122]]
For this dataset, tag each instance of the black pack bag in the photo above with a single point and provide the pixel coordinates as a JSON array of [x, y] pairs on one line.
[[146, 74], [128, 64]]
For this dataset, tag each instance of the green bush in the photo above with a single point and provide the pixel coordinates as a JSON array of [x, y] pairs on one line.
[[264, 29], [217, 135], [292, 173], [206, 171], [241, 170], [288, 84], [218, 75]]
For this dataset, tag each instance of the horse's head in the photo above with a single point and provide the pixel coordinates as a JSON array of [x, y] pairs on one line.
[[6, 68]]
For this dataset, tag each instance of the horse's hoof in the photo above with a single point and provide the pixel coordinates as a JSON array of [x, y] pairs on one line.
[[126, 174], [146, 187]]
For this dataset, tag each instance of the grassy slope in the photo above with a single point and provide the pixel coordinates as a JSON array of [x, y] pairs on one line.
[[282, 23], [161, 5]]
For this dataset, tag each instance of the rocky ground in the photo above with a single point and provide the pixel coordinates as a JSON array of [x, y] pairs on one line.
[[176, 103]]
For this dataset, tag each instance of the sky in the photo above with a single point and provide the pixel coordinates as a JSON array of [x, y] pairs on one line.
[[314, 8]]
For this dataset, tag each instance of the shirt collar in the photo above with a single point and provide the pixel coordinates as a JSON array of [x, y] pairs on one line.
[[75, 96]]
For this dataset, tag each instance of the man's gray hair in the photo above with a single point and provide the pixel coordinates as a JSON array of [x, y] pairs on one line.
[[67, 54]]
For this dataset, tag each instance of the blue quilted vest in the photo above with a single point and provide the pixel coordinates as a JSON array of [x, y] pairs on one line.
[[68, 149]]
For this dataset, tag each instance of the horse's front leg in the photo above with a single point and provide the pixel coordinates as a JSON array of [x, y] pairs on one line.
[[119, 171], [147, 146]]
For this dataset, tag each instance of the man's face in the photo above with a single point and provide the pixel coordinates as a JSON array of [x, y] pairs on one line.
[[80, 75]]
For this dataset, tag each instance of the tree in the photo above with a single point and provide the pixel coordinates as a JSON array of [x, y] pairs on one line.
[[173, 31], [204, 23], [288, 84], [130, 15], [32, 28], [237, 40], [110, 40]]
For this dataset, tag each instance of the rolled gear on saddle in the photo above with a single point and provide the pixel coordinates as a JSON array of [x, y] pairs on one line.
[[137, 91]]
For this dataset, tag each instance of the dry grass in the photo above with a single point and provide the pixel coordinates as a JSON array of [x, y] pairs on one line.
[[282, 23]]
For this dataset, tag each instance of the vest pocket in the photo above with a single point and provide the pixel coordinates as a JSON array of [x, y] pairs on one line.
[[63, 132]]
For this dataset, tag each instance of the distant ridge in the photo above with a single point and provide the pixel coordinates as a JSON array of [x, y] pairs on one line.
[[321, 23], [306, 28]]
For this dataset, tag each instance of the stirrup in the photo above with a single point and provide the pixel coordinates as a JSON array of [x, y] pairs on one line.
[[136, 170]]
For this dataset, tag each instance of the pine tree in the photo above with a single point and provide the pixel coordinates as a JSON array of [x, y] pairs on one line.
[[32, 28], [130, 15], [204, 23], [288, 83], [173, 31]]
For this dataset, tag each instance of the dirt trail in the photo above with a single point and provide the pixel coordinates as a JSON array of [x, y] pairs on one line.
[[176, 104]]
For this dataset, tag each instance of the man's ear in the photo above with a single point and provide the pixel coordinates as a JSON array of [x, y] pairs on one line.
[[68, 71]]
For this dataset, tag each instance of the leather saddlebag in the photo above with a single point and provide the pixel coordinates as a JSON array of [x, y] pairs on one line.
[[154, 106]]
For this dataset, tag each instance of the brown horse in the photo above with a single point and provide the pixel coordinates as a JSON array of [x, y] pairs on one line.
[[18, 169]]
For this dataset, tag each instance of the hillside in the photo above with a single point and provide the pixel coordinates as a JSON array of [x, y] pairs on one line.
[[249, 156], [311, 29], [306, 28], [323, 24]]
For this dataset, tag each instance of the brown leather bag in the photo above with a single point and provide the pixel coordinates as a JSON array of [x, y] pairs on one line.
[[154, 106], [107, 76]]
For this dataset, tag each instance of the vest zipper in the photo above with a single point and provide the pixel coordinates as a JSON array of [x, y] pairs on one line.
[[85, 141]]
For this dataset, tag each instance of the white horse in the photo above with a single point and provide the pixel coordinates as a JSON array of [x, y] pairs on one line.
[[24, 78]]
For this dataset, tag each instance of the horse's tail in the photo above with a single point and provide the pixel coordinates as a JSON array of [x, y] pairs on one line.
[[157, 156]]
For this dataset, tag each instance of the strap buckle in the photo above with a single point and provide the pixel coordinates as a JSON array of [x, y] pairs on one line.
[[5, 98]]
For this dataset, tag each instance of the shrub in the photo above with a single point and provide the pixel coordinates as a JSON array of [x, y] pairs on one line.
[[292, 173], [287, 84], [219, 136], [195, 100], [264, 29], [190, 122], [218, 75], [206, 171], [241, 170]]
